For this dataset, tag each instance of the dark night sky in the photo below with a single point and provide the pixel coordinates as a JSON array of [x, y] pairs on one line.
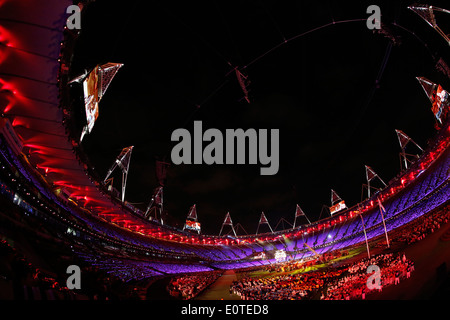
[[319, 90]]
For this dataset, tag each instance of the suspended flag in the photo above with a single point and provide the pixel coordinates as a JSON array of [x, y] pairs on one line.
[[438, 97], [441, 103], [191, 221], [95, 85], [427, 14], [338, 207], [337, 204], [192, 225]]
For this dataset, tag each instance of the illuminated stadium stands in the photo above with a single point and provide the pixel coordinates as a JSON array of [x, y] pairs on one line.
[[117, 239]]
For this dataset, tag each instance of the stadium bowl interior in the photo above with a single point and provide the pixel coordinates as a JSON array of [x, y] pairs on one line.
[[56, 211]]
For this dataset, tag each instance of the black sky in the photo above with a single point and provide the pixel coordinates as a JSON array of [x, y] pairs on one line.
[[319, 90]]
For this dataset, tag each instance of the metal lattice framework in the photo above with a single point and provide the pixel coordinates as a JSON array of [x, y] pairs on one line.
[[299, 213], [371, 175], [227, 222], [123, 162], [406, 158], [156, 205], [263, 220], [39, 121], [427, 14]]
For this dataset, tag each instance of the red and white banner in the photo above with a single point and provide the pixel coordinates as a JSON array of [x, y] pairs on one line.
[[338, 207]]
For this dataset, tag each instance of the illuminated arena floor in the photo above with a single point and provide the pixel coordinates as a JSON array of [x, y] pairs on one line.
[[220, 290], [429, 280]]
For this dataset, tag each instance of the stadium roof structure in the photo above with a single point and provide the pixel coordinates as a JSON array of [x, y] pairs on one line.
[[34, 75]]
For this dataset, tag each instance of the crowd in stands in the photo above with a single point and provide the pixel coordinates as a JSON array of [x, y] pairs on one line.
[[354, 283], [334, 283], [104, 271], [20, 279], [189, 286], [423, 227], [282, 287]]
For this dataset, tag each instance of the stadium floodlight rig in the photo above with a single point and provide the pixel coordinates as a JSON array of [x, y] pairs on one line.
[[404, 139], [123, 162], [263, 220], [227, 222], [156, 204], [299, 213], [242, 78], [370, 175]]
